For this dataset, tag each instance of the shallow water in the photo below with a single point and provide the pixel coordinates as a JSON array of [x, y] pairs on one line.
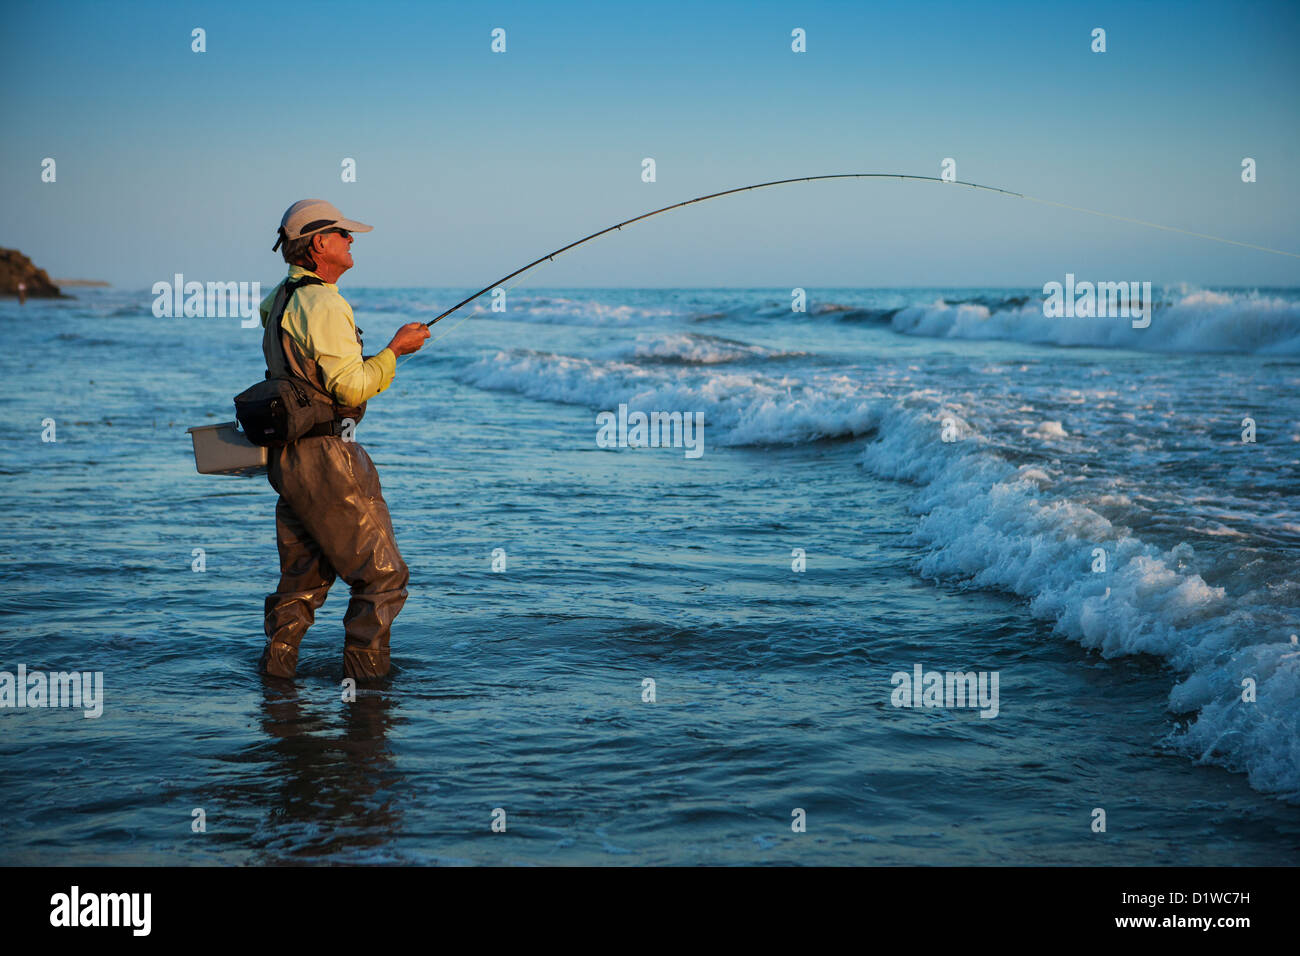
[[522, 690]]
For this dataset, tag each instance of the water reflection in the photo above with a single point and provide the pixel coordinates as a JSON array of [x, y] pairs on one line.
[[327, 784]]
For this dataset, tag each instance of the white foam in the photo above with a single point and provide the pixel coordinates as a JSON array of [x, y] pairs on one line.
[[559, 310], [1047, 430], [691, 349], [1199, 321], [988, 523], [741, 408]]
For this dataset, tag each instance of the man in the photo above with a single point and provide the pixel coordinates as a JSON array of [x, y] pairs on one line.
[[331, 518]]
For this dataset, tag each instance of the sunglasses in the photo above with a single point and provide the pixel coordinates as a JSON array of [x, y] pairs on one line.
[[345, 233]]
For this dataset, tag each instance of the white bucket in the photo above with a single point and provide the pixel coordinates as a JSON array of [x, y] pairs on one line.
[[223, 450]]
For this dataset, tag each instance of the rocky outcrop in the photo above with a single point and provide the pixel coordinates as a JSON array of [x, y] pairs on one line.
[[16, 267]]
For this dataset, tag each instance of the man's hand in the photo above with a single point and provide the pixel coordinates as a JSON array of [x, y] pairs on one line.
[[409, 338]]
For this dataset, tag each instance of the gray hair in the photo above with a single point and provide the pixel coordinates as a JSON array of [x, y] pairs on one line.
[[297, 252]]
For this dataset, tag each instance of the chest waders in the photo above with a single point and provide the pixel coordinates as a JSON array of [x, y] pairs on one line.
[[331, 521]]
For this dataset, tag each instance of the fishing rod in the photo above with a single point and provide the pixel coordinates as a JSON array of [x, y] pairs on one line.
[[678, 205], [806, 179]]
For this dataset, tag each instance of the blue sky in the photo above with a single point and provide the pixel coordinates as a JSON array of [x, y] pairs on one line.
[[471, 163]]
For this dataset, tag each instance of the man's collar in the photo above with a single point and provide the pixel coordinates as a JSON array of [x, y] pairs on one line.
[[297, 271]]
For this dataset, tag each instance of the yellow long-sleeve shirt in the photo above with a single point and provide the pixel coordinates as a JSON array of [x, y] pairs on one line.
[[320, 320]]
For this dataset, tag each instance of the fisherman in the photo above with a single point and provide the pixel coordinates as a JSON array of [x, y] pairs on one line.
[[331, 518]]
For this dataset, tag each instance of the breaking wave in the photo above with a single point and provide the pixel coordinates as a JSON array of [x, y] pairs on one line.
[[1198, 321], [687, 348], [989, 523]]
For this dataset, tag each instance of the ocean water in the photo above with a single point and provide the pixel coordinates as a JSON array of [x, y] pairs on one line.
[[1120, 688]]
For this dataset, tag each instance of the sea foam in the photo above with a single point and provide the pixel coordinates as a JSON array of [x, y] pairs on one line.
[[987, 522], [1197, 321]]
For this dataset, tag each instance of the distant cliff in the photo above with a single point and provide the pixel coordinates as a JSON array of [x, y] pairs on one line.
[[16, 267]]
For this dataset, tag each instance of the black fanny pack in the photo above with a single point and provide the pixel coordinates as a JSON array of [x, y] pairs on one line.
[[281, 409]]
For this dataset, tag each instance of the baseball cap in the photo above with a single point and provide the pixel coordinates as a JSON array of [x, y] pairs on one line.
[[309, 216]]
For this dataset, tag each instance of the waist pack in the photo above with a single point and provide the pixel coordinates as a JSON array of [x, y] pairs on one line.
[[282, 409]]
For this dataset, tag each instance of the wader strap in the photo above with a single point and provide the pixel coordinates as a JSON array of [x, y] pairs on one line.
[[277, 365]]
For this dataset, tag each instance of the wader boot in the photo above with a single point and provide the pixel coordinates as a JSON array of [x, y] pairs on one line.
[[332, 520]]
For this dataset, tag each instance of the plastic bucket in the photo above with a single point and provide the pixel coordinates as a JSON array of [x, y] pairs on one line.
[[223, 450]]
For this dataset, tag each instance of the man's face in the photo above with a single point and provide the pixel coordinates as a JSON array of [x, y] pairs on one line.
[[333, 249]]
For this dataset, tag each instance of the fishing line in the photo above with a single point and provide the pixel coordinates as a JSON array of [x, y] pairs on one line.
[[550, 256], [1156, 225]]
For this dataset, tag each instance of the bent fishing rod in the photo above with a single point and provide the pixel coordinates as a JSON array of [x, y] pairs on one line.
[[807, 179]]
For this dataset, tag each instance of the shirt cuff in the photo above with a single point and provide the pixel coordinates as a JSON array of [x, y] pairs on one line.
[[387, 360]]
